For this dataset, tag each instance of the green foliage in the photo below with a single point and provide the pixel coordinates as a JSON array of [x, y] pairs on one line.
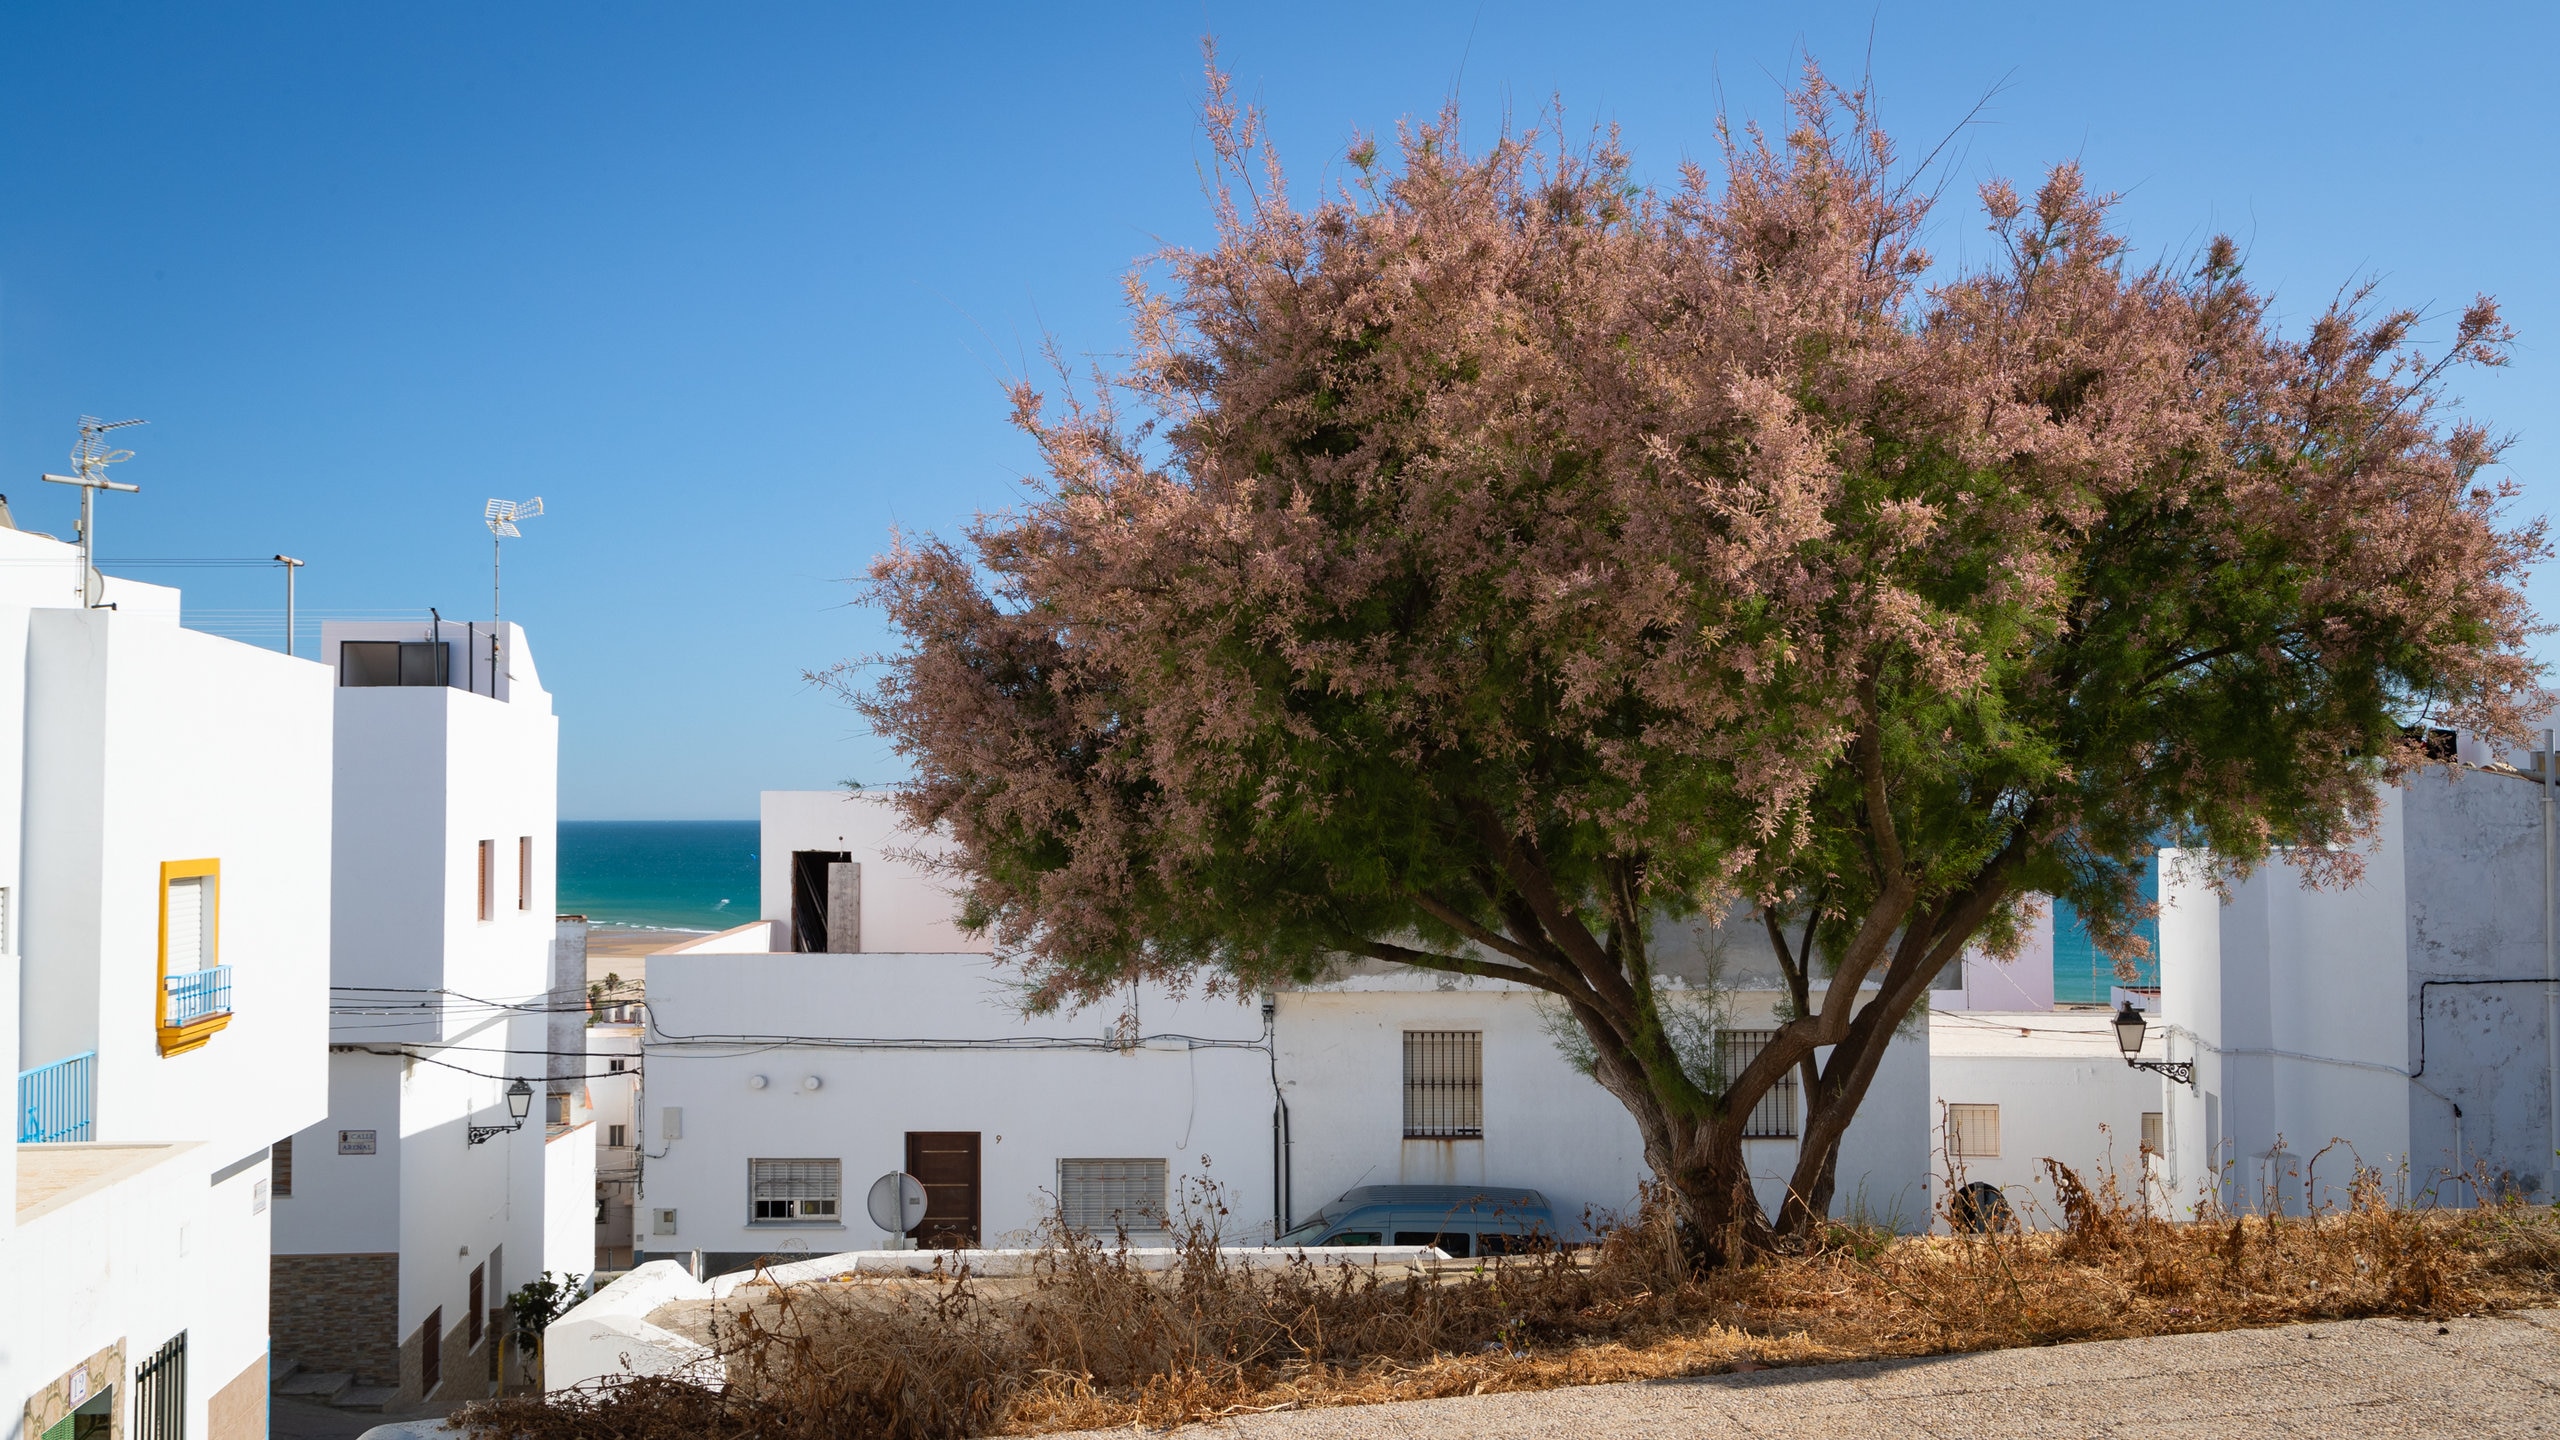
[[538, 1302]]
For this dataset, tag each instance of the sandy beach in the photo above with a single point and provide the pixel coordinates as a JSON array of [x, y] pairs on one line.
[[623, 951]]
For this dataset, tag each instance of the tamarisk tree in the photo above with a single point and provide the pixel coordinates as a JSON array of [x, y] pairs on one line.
[[1498, 561]]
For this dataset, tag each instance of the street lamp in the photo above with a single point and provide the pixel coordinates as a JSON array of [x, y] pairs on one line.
[[2129, 1026], [519, 1105]]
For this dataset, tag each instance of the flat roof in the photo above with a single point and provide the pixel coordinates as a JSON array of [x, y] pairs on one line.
[[51, 1176]]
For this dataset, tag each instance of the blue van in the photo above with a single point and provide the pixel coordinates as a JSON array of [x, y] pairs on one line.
[[1463, 1220]]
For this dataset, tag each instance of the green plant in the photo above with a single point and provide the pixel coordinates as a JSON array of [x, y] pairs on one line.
[[539, 1302]]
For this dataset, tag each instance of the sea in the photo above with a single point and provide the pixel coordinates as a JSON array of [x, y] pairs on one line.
[[659, 874]]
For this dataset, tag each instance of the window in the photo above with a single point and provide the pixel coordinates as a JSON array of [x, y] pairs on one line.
[[159, 1394], [431, 1352], [195, 987], [186, 922], [1103, 1197], [617, 1136], [1973, 1132], [782, 1190], [368, 663], [613, 1065], [2154, 1141], [524, 872], [488, 878], [281, 1168], [479, 1302], [1443, 1084], [1452, 1243], [1773, 1117]]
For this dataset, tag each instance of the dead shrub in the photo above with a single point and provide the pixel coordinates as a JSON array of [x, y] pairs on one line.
[[1090, 1340]]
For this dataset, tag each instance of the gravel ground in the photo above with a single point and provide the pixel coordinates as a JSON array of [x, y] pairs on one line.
[[2473, 1379]]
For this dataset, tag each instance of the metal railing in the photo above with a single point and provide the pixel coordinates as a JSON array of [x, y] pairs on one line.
[[53, 1100], [160, 1393], [195, 994]]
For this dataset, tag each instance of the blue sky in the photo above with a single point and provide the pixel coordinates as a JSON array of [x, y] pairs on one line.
[[734, 287]]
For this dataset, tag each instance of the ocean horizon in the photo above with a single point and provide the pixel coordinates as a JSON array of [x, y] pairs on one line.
[[689, 875]]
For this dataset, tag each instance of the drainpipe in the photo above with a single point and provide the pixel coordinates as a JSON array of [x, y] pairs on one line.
[[2550, 971]]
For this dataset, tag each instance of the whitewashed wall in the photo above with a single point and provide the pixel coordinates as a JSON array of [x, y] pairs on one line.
[[144, 1258], [147, 743], [719, 1020], [903, 908], [2064, 1093], [1547, 1126], [568, 1229]]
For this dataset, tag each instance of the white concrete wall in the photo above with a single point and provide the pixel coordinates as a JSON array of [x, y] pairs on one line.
[[2310, 1011], [152, 1255], [147, 743], [1547, 1126], [2024, 981], [2472, 856], [719, 1020], [2197, 1154], [568, 1226], [2064, 1093], [445, 1008], [904, 909], [347, 1204]]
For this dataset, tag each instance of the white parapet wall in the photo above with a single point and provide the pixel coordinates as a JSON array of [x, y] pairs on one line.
[[607, 1336]]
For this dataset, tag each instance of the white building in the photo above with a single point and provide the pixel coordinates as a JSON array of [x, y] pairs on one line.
[[1359, 1057], [421, 1199], [2402, 1023], [164, 933], [613, 1086], [2012, 1089], [855, 1031]]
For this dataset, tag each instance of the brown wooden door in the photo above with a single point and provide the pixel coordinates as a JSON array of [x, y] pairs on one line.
[[947, 1162]]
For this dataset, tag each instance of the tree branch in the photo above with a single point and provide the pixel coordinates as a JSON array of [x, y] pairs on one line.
[[1530, 881], [1456, 965], [1555, 966]]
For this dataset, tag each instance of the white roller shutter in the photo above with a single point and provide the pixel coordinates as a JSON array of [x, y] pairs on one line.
[[186, 925]]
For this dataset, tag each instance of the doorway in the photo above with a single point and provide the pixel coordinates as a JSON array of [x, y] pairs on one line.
[[947, 1162], [809, 897]]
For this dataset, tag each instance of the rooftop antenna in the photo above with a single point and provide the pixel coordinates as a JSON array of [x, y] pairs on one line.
[[89, 461], [502, 516], [290, 565]]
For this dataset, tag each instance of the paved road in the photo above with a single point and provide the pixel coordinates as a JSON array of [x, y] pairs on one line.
[[2480, 1379]]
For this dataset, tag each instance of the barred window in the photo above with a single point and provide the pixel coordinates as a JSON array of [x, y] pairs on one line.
[[1774, 1116], [1973, 1132], [1443, 1084], [1104, 1197], [795, 1189]]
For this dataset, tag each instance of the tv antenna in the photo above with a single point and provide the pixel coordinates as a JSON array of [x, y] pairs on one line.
[[89, 461], [502, 516]]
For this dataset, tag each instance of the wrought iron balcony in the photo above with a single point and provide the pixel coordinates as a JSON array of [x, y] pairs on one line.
[[199, 994], [53, 1100]]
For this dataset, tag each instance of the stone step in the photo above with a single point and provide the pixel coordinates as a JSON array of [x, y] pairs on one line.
[[375, 1398], [326, 1387]]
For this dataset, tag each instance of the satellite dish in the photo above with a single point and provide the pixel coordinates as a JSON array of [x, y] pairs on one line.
[[897, 1202]]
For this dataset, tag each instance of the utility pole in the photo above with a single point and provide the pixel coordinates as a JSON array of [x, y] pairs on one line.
[[290, 565], [89, 461]]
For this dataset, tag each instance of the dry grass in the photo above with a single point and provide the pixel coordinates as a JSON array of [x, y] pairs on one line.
[[1093, 1342]]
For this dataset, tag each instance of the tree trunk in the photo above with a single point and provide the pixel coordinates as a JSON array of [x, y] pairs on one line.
[[1835, 1101]]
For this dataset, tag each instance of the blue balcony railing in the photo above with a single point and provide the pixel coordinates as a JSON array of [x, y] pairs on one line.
[[53, 1100], [196, 994]]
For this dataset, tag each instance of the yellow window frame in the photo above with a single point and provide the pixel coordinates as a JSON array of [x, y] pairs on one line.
[[179, 1039]]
